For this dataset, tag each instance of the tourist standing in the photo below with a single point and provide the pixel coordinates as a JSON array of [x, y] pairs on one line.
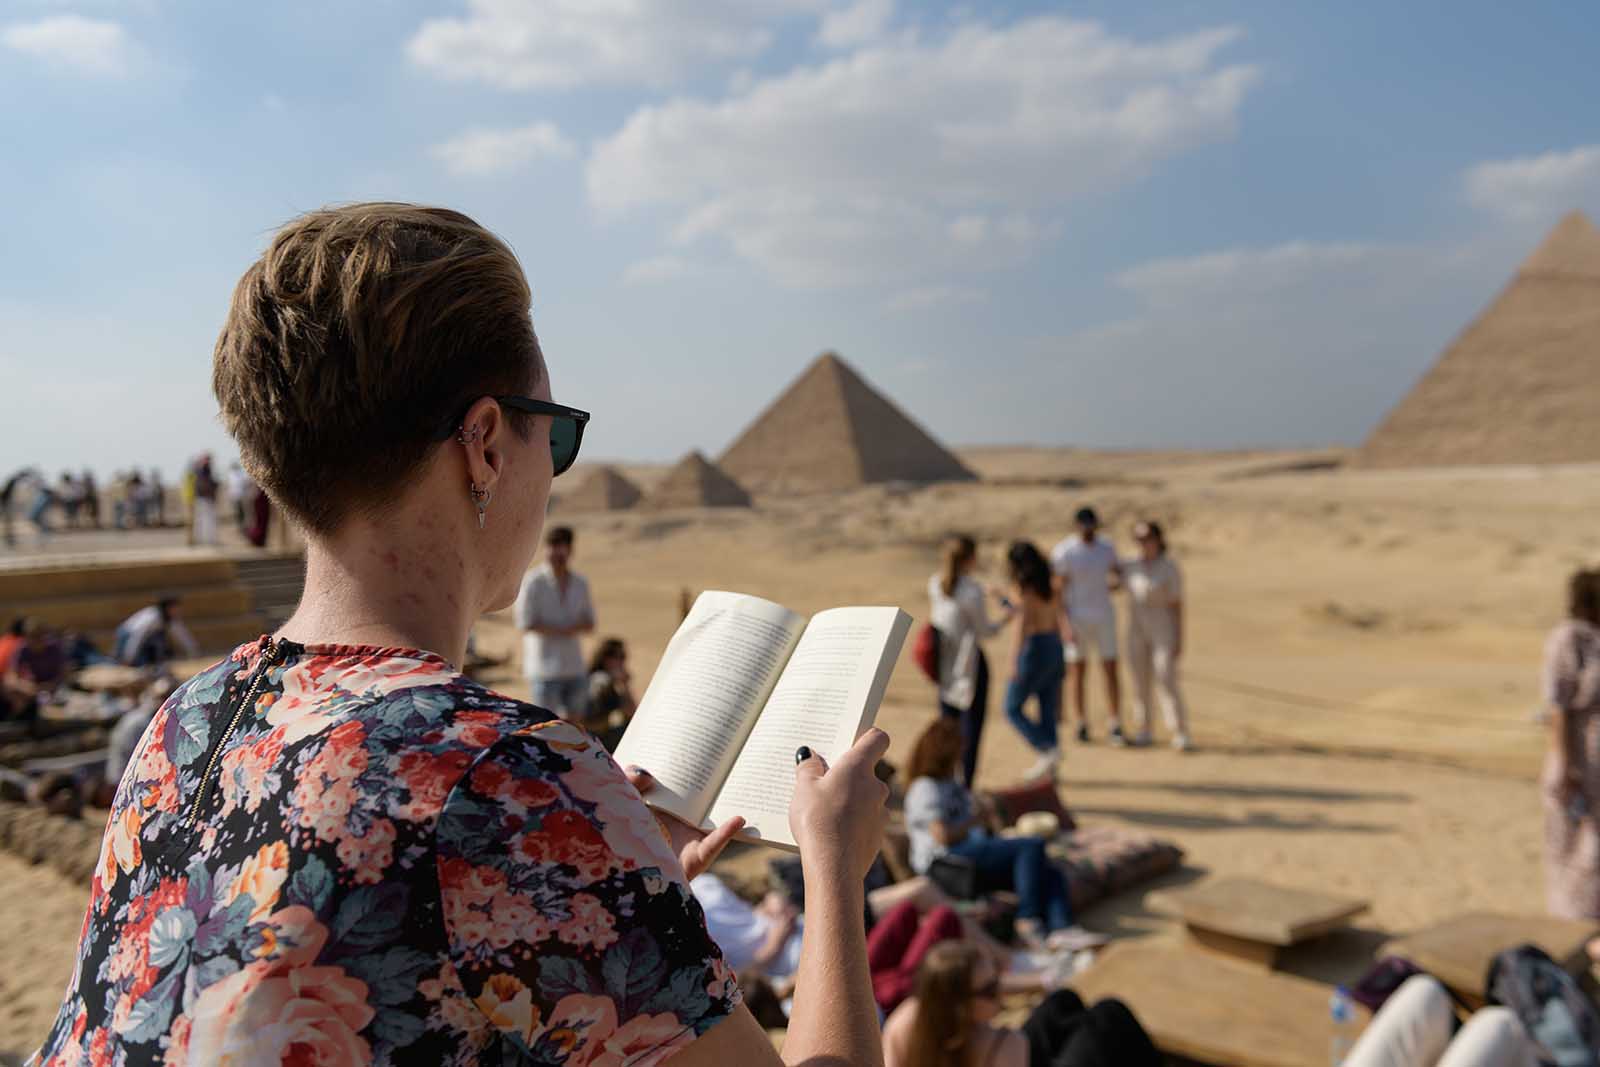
[[240, 489], [91, 498], [1090, 572], [1571, 781], [959, 613], [205, 503], [553, 609], [1155, 635], [1038, 671], [155, 495]]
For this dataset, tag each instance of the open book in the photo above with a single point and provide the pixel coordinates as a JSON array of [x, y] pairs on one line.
[[743, 683]]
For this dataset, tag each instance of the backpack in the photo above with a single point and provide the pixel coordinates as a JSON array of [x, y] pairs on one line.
[[925, 651], [1380, 983], [1546, 999]]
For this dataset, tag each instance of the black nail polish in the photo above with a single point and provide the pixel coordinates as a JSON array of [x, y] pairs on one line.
[[802, 754]]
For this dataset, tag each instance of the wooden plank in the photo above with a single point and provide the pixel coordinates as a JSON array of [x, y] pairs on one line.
[[1257, 911], [1458, 951], [1212, 1010], [1255, 953]]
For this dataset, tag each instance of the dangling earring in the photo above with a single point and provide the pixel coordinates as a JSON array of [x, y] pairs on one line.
[[480, 498]]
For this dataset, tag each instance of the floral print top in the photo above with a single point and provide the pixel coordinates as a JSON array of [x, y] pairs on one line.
[[381, 862]]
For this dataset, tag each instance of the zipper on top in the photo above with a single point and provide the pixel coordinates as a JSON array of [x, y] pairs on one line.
[[272, 655]]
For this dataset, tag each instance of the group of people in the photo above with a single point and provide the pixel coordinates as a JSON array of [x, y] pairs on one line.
[[554, 611], [134, 500], [1062, 616], [37, 660]]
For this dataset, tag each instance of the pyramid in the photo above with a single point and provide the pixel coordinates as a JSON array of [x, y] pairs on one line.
[[605, 489], [831, 430], [695, 482], [1521, 384]]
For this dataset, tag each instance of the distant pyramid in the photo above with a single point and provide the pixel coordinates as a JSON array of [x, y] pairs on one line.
[[831, 430], [1521, 384], [605, 489], [696, 482]]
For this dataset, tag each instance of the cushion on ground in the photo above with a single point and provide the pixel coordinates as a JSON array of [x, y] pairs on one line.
[[1102, 860]]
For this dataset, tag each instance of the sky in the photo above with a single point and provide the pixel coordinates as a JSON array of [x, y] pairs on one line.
[[1124, 225]]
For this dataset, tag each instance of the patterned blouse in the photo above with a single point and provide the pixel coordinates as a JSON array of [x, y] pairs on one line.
[[336, 855]]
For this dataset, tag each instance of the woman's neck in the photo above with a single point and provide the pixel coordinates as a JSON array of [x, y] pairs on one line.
[[365, 586]]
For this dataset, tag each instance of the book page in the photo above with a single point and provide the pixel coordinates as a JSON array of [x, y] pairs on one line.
[[701, 703], [826, 697]]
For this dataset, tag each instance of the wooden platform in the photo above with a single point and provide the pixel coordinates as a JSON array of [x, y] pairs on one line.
[[1212, 1010], [1458, 952], [1252, 920]]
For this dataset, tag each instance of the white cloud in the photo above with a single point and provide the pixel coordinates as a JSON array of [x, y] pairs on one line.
[[857, 24], [480, 152], [658, 269], [97, 47], [1536, 187], [538, 44], [909, 159], [930, 297]]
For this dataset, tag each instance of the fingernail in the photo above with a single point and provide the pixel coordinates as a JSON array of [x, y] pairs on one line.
[[802, 754]]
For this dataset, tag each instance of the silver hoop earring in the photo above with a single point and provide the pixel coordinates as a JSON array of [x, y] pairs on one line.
[[466, 436], [480, 499]]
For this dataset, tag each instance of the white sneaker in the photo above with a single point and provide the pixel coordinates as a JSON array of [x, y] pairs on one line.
[[1075, 939], [1181, 743], [1044, 765]]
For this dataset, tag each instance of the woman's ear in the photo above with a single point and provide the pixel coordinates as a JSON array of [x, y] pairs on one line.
[[482, 436]]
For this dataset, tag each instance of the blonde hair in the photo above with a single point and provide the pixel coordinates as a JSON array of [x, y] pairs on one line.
[[958, 550]]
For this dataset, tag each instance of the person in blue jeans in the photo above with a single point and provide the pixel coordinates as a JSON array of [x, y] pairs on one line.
[[943, 819], [1040, 666]]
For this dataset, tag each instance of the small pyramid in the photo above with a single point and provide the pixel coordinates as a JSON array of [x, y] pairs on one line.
[[696, 482], [605, 489], [831, 430], [1521, 384]]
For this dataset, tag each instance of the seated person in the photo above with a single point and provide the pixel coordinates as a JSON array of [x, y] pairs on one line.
[[943, 818], [37, 670], [611, 701], [1416, 1027], [152, 635], [759, 939], [949, 1022]]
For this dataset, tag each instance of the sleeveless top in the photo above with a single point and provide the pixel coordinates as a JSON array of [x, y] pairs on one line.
[[339, 855]]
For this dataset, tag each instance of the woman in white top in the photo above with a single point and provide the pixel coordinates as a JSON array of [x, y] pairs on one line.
[[1155, 634], [961, 615]]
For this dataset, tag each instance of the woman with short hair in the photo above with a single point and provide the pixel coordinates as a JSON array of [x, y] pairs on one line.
[[333, 847]]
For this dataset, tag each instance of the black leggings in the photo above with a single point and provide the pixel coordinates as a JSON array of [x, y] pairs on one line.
[[971, 720]]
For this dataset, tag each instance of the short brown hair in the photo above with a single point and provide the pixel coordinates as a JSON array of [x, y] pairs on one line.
[[937, 752], [358, 334], [1583, 596], [559, 535]]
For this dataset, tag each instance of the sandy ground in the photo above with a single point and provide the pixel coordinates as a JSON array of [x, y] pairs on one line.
[[1362, 667]]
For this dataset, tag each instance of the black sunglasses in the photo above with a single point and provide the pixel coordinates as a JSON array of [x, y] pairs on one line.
[[566, 427]]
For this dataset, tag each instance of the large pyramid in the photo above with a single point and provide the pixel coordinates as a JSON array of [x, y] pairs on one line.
[[605, 489], [695, 482], [1521, 384], [831, 430]]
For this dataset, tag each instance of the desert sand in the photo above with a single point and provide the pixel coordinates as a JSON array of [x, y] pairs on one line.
[[1362, 666]]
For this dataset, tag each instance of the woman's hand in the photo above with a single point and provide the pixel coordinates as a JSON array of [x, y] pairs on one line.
[[697, 849], [837, 815]]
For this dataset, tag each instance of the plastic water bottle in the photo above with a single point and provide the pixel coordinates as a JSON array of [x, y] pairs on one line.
[[1342, 1010]]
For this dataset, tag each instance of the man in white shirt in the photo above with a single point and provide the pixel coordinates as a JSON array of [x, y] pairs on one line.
[[151, 636], [1089, 572], [553, 609]]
